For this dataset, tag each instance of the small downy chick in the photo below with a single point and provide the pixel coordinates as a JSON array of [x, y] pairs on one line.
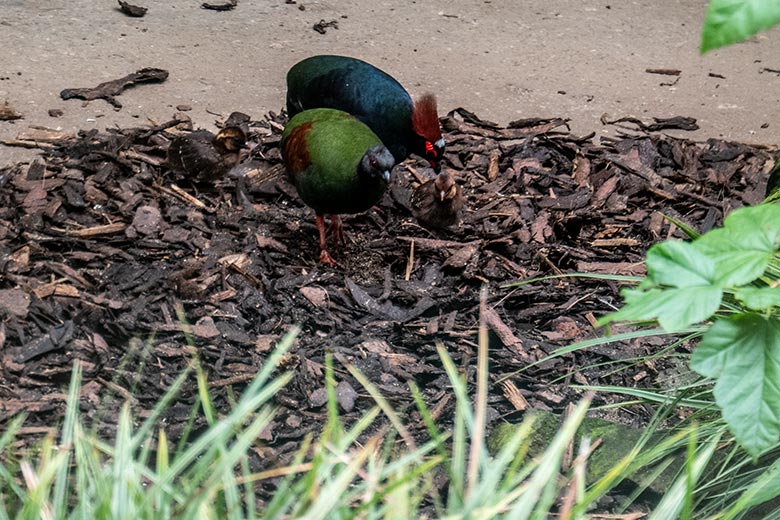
[[203, 156], [437, 203]]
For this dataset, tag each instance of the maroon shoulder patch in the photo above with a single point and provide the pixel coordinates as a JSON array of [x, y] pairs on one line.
[[295, 153]]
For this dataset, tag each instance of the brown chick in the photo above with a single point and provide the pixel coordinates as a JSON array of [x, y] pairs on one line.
[[437, 203], [204, 156]]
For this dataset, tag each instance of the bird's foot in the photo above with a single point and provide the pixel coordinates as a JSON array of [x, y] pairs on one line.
[[336, 229], [243, 198], [325, 258]]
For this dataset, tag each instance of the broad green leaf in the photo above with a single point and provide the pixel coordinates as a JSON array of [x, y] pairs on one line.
[[731, 21], [734, 264], [759, 298], [743, 353], [639, 306], [755, 227], [674, 309], [743, 248], [688, 306], [679, 264]]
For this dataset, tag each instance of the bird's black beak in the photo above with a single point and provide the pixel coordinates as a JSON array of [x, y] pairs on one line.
[[436, 166]]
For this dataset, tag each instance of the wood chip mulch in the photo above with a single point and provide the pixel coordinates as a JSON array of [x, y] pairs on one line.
[[100, 248]]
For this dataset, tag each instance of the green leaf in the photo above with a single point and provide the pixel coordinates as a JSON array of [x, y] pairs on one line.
[[743, 248], [731, 21], [755, 227], [679, 264], [734, 264], [743, 353], [674, 309], [759, 298], [688, 306]]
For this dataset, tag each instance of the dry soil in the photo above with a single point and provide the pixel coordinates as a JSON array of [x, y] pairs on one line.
[[503, 60]]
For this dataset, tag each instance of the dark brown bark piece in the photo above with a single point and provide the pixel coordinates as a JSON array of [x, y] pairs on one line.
[[322, 26], [134, 11], [7, 113], [110, 89], [225, 6]]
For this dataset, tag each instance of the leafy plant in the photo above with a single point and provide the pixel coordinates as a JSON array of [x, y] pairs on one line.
[[731, 21], [730, 276]]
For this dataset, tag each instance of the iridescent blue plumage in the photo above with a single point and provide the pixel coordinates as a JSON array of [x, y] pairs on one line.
[[372, 96]]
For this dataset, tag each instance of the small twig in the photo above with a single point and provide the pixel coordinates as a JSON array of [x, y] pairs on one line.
[[106, 229], [410, 262], [549, 264], [241, 378], [414, 173], [254, 280], [178, 193], [615, 242], [118, 389], [148, 159], [492, 171], [480, 406], [664, 72], [27, 144]]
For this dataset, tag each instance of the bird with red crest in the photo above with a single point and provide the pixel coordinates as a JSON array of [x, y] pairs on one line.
[[374, 97]]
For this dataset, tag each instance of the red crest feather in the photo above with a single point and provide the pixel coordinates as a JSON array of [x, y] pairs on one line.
[[425, 120]]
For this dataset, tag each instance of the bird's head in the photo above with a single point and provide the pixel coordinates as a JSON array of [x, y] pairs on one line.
[[446, 189], [377, 163], [425, 123], [231, 139]]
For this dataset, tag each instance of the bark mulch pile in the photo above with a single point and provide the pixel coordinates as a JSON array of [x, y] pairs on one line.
[[100, 247]]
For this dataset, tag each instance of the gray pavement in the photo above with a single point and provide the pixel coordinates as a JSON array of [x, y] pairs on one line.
[[501, 59]]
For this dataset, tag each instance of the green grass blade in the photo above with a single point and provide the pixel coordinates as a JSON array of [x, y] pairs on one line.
[[540, 489], [673, 502], [124, 475], [66, 441], [7, 438]]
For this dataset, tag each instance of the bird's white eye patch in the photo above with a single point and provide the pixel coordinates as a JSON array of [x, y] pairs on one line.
[[440, 143]]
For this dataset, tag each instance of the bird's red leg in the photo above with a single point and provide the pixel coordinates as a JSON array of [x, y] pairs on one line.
[[337, 229], [325, 257]]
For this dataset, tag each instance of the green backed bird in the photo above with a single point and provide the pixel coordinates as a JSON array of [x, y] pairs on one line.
[[337, 164], [372, 96]]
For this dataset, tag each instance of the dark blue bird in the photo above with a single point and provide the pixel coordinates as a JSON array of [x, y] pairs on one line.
[[372, 96]]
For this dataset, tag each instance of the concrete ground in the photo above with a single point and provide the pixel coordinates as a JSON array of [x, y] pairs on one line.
[[502, 60]]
